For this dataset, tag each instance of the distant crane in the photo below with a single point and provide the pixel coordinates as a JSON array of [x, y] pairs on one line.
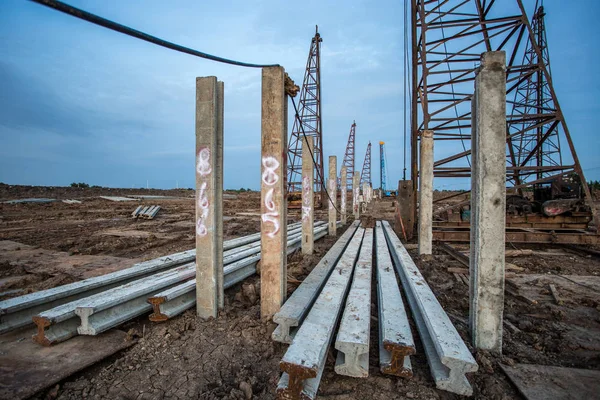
[[382, 170], [349, 156], [365, 175]]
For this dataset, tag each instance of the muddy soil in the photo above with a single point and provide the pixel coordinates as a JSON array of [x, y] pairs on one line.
[[233, 357]]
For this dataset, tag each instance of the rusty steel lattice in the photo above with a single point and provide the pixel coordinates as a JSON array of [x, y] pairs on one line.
[[349, 156], [365, 175], [309, 111], [448, 37]]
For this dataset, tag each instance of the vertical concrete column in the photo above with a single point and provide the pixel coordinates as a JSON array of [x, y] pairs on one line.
[[405, 209], [343, 195], [426, 193], [209, 125], [307, 196], [219, 194], [356, 194], [332, 182], [488, 202], [273, 274]]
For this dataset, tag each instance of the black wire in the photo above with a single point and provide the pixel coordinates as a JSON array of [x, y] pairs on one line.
[[312, 156], [95, 19]]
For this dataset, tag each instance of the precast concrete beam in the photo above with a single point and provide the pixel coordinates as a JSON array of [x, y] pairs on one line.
[[448, 356], [18, 312], [356, 194], [396, 342], [296, 308], [176, 300], [426, 193], [304, 361], [352, 340], [60, 323]]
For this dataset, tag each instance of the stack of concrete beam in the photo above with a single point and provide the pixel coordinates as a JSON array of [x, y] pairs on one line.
[[176, 300], [20, 311], [304, 361], [448, 356], [147, 212], [97, 313]]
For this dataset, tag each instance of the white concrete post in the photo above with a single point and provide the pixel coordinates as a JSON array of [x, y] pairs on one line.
[[488, 202], [343, 195], [356, 194], [307, 196], [426, 193], [273, 271], [332, 182], [209, 125]]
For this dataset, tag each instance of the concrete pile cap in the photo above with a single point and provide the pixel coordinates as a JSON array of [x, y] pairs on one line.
[[297, 306], [306, 356], [396, 342], [448, 356], [352, 341]]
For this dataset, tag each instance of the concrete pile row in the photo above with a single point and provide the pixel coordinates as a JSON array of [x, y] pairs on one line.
[[166, 284], [342, 282]]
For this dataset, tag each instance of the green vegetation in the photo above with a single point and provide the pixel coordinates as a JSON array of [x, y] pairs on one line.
[[80, 185]]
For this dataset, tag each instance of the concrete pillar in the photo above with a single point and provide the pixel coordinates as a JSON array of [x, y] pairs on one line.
[[343, 195], [209, 215], [355, 194], [426, 193], [404, 219], [307, 196], [332, 182], [273, 274], [219, 194], [488, 203]]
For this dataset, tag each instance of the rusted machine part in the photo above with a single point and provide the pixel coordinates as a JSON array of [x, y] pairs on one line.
[[50, 332], [291, 89], [399, 364], [297, 375], [157, 315]]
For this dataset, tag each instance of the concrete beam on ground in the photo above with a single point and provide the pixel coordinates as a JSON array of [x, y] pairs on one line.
[[304, 361], [343, 195], [297, 306], [356, 194], [308, 195], [60, 323], [426, 193], [18, 312], [352, 340], [332, 183], [207, 259], [448, 356], [176, 300], [273, 275], [396, 342], [488, 203]]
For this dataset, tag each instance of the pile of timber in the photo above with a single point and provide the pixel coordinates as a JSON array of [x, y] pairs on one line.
[[336, 296], [165, 285]]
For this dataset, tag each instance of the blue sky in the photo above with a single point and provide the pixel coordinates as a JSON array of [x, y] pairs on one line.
[[82, 103]]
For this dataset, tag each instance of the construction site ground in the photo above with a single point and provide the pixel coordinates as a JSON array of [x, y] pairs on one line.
[[233, 356]]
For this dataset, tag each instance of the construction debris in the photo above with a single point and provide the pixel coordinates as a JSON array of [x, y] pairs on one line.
[[147, 212], [117, 198], [32, 200], [70, 201]]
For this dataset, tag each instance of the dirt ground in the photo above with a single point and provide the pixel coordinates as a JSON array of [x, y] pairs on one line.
[[233, 356]]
